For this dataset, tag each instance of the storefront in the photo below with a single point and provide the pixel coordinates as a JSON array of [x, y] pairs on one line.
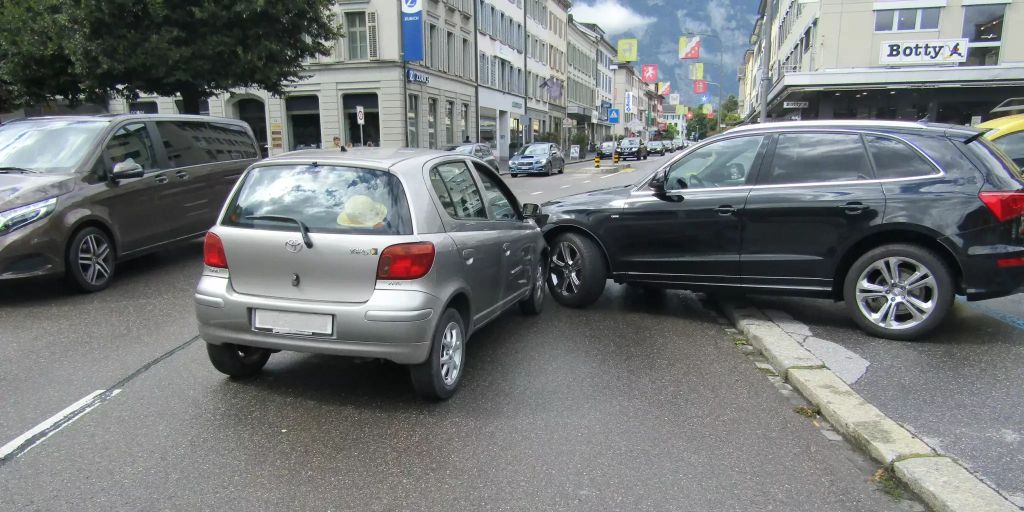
[[440, 111], [501, 121]]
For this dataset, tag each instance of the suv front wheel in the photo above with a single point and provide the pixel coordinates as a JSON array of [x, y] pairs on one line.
[[577, 270], [899, 291]]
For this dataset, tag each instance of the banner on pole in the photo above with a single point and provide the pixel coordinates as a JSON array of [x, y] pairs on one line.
[[649, 73], [700, 86], [680, 110], [664, 88], [628, 49], [412, 30], [697, 71], [689, 48], [673, 99]]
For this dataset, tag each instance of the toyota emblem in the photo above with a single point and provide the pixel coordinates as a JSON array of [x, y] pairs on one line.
[[293, 245]]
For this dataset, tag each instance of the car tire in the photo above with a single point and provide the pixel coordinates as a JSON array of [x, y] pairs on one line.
[[512, 174], [548, 169], [533, 303], [90, 260], [576, 256], [561, 170], [237, 361], [432, 379], [905, 308]]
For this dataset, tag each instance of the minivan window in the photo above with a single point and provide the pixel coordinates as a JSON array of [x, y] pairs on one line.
[[188, 143], [894, 159], [459, 195], [328, 199], [57, 146], [817, 158], [131, 142]]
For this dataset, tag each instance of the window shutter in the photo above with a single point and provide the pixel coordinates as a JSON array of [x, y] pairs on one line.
[[371, 35]]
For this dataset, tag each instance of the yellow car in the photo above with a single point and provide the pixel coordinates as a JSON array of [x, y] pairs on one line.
[[1007, 133]]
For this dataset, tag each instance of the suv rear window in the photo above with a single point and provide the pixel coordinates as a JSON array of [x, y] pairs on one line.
[[328, 199]]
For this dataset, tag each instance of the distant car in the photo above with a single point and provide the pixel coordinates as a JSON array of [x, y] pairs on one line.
[[657, 147], [606, 150], [1007, 133], [375, 253], [633, 148], [537, 158], [893, 218], [81, 194], [481, 151]]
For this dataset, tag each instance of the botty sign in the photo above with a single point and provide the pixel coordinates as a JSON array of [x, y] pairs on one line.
[[927, 51]]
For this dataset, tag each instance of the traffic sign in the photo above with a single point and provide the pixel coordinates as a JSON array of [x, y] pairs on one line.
[[613, 116], [360, 115]]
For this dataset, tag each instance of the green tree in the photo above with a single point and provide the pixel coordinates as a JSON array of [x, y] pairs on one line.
[[731, 105], [671, 133]]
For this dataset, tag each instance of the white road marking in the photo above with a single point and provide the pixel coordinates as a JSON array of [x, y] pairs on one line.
[[535, 193], [588, 181], [565, 186], [609, 175], [68, 415]]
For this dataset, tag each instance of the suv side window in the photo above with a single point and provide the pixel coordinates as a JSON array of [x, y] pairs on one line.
[[894, 159], [727, 163], [817, 158], [496, 199], [190, 143], [454, 186], [132, 142]]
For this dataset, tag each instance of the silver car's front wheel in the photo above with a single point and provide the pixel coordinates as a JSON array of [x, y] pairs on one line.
[[899, 291]]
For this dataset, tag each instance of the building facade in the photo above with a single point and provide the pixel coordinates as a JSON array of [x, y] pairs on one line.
[[501, 48], [581, 108], [942, 60], [629, 93]]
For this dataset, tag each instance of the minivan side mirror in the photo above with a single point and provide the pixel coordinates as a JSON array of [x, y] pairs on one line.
[[127, 170]]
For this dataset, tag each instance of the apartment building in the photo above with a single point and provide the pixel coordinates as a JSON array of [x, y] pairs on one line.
[[431, 103], [941, 60], [581, 109], [630, 99], [603, 78], [501, 48]]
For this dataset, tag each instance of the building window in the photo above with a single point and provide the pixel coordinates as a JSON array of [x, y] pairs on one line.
[[449, 64], [903, 20], [449, 122], [412, 121], [432, 122], [464, 135], [356, 35], [983, 28]]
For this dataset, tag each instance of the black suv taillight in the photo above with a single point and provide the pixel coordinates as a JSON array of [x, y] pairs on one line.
[[1006, 206]]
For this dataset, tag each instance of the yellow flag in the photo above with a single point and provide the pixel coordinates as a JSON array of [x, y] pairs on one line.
[[708, 108], [681, 110], [697, 71], [682, 46], [628, 50]]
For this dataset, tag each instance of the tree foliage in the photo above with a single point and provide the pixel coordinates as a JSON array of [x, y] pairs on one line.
[[671, 132], [192, 48]]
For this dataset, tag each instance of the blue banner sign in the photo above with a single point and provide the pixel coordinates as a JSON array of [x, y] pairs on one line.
[[412, 29]]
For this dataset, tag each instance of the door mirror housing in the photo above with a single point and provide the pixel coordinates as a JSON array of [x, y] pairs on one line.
[[658, 182], [531, 210], [126, 170]]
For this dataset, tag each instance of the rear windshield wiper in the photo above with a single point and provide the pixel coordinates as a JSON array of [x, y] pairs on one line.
[[5, 170], [284, 218]]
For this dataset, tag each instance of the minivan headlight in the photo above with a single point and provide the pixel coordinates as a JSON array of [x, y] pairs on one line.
[[23, 215]]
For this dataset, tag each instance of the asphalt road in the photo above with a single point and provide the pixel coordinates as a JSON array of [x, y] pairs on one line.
[[960, 390], [642, 402]]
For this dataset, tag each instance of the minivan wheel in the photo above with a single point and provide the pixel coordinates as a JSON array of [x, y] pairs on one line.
[[533, 303], [899, 291], [577, 272], [90, 260], [237, 361], [438, 376]]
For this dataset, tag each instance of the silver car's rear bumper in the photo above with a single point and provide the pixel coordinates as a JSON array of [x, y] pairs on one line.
[[397, 325]]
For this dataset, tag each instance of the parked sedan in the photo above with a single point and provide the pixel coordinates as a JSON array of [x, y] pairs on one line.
[[481, 151], [398, 255], [633, 148], [537, 158], [81, 194], [893, 218], [656, 147]]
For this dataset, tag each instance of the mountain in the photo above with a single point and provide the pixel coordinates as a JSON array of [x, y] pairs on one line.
[[658, 24]]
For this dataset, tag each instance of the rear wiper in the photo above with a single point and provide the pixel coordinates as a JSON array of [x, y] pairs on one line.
[[5, 170], [283, 218]]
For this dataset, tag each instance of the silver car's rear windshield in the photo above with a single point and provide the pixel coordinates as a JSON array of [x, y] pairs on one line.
[[328, 199], [48, 145]]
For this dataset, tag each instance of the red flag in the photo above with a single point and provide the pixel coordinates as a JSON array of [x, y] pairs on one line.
[[711, 115], [689, 115], [649, 73], [689, 49], [700, 86]]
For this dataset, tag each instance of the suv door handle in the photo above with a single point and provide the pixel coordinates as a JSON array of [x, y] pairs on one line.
[[853, 207], [726, 209], [161, 179], [182, 175], [468, 255], [507, 247]]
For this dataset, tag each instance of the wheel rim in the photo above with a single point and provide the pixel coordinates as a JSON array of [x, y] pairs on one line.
[[897, 293], [538, 292], [451, 353], [566, 270], [95, 259]]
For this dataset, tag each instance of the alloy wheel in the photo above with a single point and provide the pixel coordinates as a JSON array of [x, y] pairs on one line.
[[896, 293], [94, 259], [565, 270], [451, 353]]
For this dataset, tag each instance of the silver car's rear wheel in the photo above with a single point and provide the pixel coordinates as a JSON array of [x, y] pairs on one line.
[[451, 353], [439, 376]]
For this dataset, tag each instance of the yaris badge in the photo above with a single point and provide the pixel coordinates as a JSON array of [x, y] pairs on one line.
[[293, 245]]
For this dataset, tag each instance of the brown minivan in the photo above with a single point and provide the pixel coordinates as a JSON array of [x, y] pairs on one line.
[[79, 194]]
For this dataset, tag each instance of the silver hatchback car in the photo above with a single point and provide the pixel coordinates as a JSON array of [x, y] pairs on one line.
[[378, 253]]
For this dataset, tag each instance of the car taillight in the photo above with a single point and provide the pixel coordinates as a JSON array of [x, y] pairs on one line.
[[1004, 205], [406, 261], [213, 252]]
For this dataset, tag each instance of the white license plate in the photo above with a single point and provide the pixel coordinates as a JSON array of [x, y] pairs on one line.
[[288, 322]]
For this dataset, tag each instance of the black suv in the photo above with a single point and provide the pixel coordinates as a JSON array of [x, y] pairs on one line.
[[893, 218], [633, 148]]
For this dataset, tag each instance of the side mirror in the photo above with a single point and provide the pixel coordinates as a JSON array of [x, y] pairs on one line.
[[531, 210], [127, 170], [658, 182]]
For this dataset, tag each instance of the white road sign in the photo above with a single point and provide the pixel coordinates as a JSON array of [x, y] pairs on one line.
[[360, 116]]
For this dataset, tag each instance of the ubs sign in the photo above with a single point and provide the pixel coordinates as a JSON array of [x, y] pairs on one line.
[[927, 51]]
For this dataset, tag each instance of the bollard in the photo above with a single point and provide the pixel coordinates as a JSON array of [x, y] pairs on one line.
[[616, 158], [597, 162]]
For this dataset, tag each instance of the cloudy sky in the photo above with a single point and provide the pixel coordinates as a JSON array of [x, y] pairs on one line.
[[658, 25]]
